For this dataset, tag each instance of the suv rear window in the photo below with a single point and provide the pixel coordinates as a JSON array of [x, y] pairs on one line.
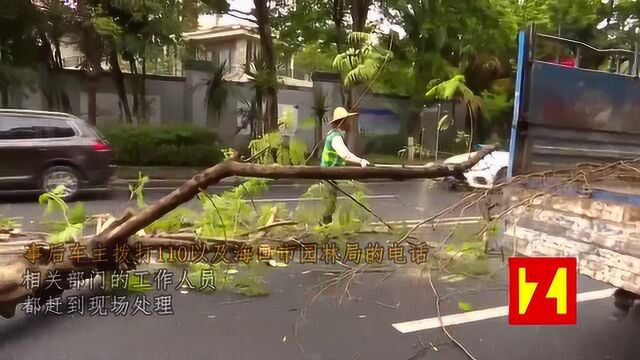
[[32, 127]]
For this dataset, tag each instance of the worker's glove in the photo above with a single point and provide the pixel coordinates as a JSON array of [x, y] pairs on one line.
[[364, 163]]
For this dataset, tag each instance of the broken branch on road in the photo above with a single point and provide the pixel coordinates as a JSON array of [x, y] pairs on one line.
[[118, 232]]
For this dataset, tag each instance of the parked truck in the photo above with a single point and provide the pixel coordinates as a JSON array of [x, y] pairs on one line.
[[564, 115]]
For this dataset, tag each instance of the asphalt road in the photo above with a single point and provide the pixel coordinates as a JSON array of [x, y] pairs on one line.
[[286, 325], [390, 200]]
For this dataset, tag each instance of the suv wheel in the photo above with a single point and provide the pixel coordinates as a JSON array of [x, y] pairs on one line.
[[61, 175]]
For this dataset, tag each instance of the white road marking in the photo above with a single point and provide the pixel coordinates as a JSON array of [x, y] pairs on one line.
[[444, 221], [415, 221], [371, 197], [295, 185], [491, 313]]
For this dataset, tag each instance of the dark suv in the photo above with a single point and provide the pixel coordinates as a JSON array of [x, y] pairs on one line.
[[42, 150]]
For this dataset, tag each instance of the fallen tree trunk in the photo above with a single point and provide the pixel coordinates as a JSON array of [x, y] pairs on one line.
[[11, 275]]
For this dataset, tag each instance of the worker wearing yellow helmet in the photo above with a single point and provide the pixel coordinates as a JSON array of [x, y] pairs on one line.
[[336, 153]]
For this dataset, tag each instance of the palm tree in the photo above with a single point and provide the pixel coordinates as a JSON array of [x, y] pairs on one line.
[[217, 92], [360, 64], [249, 113], [264, 82], [456, 89]]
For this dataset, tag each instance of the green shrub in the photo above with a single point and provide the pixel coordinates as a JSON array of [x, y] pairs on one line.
[[163, 145], [383, 144]]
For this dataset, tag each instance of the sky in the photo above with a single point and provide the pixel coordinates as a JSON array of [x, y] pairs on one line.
[[207, 21]]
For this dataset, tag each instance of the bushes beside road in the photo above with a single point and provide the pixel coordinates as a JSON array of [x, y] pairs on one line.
[[175, 145]]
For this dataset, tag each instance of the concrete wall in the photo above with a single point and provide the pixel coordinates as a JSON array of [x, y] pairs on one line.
[[383, 119], [164, 96]]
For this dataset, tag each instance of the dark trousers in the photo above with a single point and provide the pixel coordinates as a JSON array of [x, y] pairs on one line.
[[331, 197]]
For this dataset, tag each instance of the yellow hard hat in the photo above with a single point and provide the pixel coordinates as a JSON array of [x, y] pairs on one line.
[[340, 113]]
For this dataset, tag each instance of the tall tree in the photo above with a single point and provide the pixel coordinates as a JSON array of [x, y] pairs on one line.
[[359, 14], [261, 15], [92, 64], [190, 13], [19, 50]]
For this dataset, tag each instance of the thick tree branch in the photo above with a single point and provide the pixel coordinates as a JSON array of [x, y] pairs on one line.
[[119, 231]]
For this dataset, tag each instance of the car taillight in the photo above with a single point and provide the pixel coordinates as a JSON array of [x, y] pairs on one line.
[[101, 146]]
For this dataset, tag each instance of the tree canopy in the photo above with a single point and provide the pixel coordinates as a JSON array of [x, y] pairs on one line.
[[415, 42]]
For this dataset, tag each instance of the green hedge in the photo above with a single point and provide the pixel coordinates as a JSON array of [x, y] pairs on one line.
[[163, 145], [384, 144]]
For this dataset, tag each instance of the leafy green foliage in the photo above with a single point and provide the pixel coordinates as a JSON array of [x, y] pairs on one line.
[[246, 282], [419, 151], [454, 88], [174, 221], [465, 257], [349, 217], [305, 24], [137, 190], [231, 212], [104, 24], [444, 123], [288, 150], [361, 62], [464, 306], [71, 227], [9, 223], [228, 153], [175, 145], [315, 57]]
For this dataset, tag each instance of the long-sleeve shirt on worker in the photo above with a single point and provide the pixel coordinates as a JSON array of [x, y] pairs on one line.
[[336, 153], [343, 151]]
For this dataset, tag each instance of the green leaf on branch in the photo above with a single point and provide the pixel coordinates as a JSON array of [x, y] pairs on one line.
[[464, 306], [137, 190], [9, 223], [444, 123], [69, 233], [174, 221], [77, 214], [297, 152], [54, 201]]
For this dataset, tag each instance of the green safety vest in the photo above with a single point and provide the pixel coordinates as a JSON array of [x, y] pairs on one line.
[[329, 156]]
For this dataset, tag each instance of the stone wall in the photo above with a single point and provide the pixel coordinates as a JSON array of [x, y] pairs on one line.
[[603, 235]]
